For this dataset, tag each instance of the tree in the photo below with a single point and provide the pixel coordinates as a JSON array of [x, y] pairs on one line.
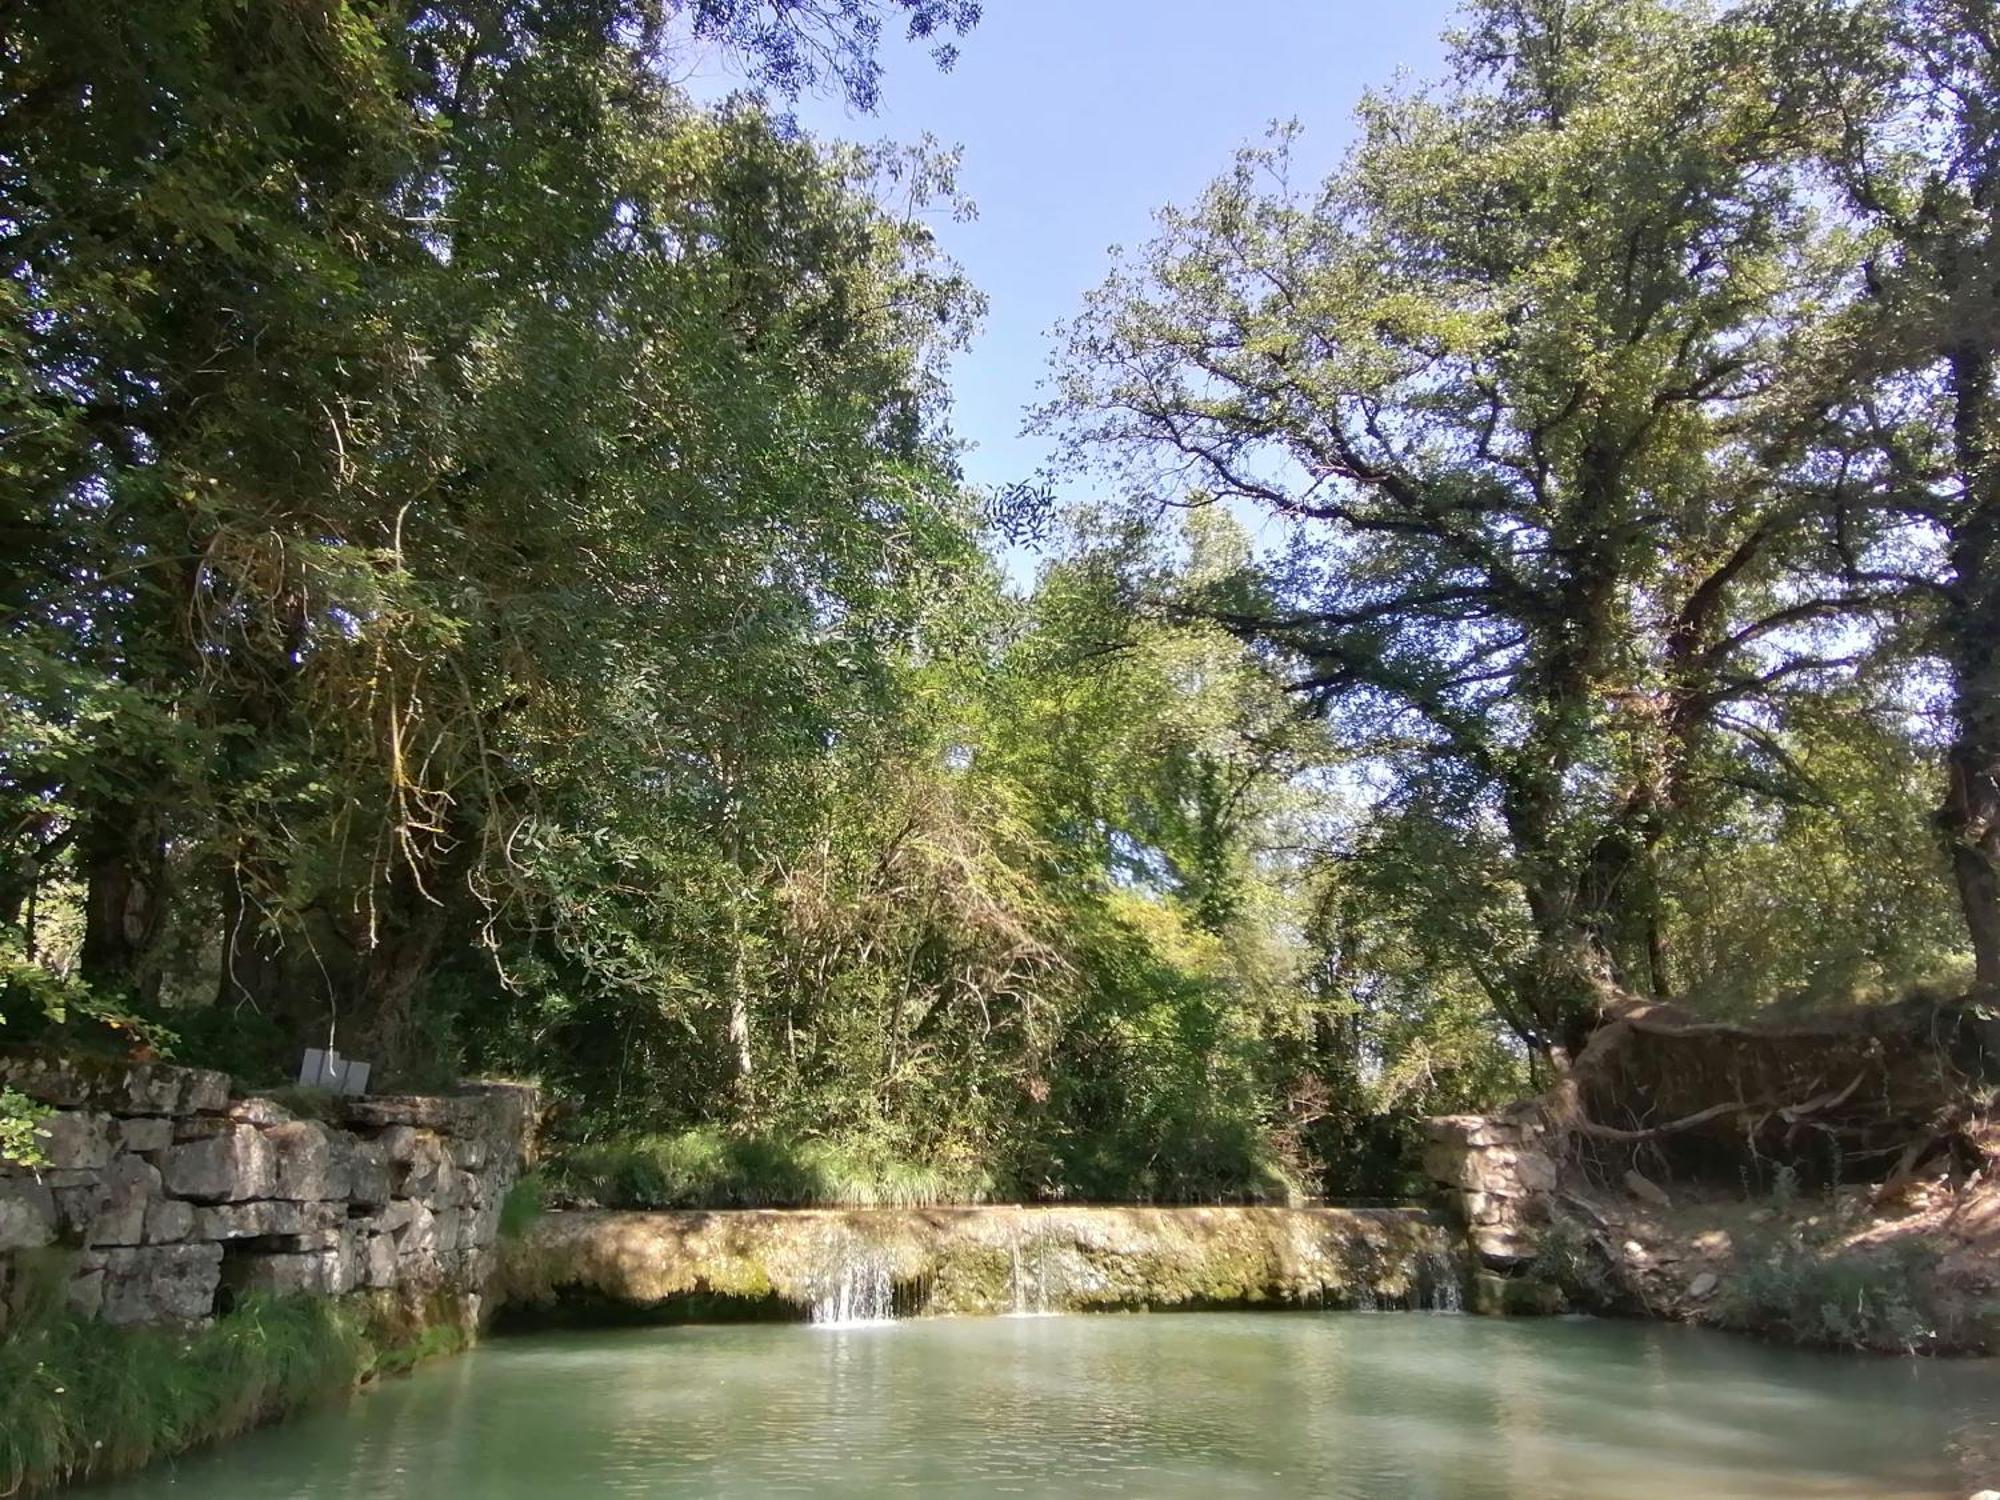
[[1518, 377], [1912, 455], [387, 393]]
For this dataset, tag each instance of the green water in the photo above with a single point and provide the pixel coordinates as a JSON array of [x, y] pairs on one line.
[[1386, 1407]]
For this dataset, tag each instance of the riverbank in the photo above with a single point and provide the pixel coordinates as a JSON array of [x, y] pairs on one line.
[[81, 1399]]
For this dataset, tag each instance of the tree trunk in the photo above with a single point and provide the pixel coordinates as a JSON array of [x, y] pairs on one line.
[[123, 864], [1970, 816]]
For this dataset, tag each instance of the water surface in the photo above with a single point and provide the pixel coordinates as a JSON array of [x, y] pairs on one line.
[[1350, 1406]]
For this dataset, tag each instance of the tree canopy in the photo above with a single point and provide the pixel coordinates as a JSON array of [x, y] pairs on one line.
[[487, 580]]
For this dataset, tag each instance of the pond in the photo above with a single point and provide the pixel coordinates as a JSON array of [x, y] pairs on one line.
[[1350, 1405]]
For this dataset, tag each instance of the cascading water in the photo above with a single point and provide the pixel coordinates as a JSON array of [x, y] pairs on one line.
[[856, 1288], [1441, 1284], [1028, 1291]]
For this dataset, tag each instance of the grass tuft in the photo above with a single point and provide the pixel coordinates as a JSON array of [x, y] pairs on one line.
[[80, 1399]]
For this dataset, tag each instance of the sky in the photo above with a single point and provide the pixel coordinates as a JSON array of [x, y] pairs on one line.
[[1079, 118]]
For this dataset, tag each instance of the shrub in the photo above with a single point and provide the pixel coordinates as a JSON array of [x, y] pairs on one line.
[[707, 1167], [1839, 1299], [523, 1204]]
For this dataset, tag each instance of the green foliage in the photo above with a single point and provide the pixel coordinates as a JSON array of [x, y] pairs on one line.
[[707, 1167], [1864, 1300], [523, 1205], [487, 582], [20, 1129], [81, 1399]]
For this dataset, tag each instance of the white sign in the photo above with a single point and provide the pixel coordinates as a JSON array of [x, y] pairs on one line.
[[329, 1070]]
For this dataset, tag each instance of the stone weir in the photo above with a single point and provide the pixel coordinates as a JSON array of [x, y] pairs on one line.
[[165, 1194], [866, 1265]]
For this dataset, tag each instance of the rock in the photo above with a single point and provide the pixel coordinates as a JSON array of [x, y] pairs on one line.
[[1536, 1171], [419, 1235], [311, 1161], [158, 1283], [85, 1293], [378, 1262], [233, 1164], [422, 1112], [130, 1187], [1503, 1246], [368, 1175], [1646, 1190], [1703, 1284], [145, 1133], [1515, 1296], [77, 1204], [27, 1214], [256, 1112], [76, 1139], [1472, 1131], [327, 1273], [419, 1154], [162, 1089], [394, 1217], [168, 1220], [263, 1218], [45, 1080]]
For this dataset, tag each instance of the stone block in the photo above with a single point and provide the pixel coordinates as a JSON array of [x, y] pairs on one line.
[[168, 1221], [327, 1273], [85, 1293], [130, 1187], [417, 1156], [1487, 1170], [368, 1175], [77, 1204], [422, 1112], [1503, 1245], [312, 1161], [146, 1133], [164, 1089], [234, 1164], [158, 1283], [46, 1080], [27, 1214], [76, 1140], [394, 1216], [263, 1218], [1535, 1171], [378, 1261], [1468, 1131], [419, 1235], [256, 1112]]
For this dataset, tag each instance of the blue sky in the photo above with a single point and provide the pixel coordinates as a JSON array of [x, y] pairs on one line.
[[1079, 118]]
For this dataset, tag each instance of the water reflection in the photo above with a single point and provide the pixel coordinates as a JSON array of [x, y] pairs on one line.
[[1358, 1407]]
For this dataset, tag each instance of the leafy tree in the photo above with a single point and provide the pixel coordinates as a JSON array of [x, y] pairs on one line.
[[1518, 377], [1911, 465]]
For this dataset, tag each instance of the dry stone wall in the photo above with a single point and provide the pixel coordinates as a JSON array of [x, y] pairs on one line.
[[173, 1194], [1497, 1172]]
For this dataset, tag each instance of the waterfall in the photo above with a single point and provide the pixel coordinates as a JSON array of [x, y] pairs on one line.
[[1441, 1283], [857, 1288], [1028, 1285]]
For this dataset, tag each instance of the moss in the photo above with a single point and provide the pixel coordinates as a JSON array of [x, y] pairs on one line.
[[81, 1399], [1516, 1296], [955, 1261]]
